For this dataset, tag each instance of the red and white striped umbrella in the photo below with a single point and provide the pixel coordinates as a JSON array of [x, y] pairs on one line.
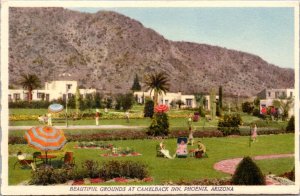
[[161, 108], [45, 138]]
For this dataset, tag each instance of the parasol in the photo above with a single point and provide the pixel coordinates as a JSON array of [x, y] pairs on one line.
[[45, 138]]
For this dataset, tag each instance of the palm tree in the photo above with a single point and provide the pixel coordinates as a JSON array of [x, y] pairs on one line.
[[284, 105], [30, 82], [157, 82]]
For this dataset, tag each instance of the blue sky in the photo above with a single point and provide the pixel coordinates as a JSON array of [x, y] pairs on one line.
[[266, 32]]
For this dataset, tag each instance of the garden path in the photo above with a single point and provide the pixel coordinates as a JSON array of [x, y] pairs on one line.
[[229, 165]]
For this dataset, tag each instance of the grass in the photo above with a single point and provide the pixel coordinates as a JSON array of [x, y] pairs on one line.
[[163, 170]]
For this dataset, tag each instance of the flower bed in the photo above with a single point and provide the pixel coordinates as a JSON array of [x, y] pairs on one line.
[[100, 180], [94, 145], [121, 155]]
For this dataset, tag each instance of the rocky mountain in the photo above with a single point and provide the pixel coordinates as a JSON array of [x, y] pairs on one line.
[[106, 49]]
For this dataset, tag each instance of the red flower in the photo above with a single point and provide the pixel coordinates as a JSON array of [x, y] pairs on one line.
[[105, 155], [149, 179], [115, 155], [120, 180], [96, 180], [78, 182]]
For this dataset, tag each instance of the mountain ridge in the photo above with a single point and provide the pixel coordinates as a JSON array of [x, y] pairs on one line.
[[104, 50]]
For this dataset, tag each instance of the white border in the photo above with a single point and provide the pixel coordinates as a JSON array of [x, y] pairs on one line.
[[27, 190]]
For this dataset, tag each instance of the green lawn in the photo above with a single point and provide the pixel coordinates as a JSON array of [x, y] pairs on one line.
[[162, 169]]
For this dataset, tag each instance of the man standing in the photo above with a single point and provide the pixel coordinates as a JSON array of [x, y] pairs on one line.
[[97, 116]]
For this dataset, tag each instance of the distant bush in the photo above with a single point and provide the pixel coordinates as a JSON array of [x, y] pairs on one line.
[[248, 173], [124, 101], [149, 109], [291, 125], [159, 125], [230, 123], [32, 104], [247, 107], [201, 112]]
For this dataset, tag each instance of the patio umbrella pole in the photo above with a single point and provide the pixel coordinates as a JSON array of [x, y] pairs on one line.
[[46, 157]]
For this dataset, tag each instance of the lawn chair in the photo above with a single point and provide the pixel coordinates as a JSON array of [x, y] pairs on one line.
[[35, 157], [182, 151], [22, 161], [68, 160]]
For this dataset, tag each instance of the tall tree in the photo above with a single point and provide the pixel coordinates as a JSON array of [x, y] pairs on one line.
[[199, 97], [157, 82], [212, 99], [77, 101], [30, 82], [220, 102], [136, 84], [221, 96]]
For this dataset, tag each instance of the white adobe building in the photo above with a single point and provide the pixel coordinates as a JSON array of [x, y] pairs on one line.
[[53, 90], [267, 97], [188, 100]]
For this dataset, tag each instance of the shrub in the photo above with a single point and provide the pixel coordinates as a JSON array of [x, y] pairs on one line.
[[159, 125], [230, 124], [247, 107], [91, 168], [149, 109], [248, 173], [291, 125], [128, 169], [124, 101], [201, 111], [45, 175]]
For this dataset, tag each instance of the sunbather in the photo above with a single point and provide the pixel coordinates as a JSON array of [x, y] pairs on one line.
[[164, 151]]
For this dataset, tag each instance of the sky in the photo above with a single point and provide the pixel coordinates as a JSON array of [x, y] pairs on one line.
[[266, 32]]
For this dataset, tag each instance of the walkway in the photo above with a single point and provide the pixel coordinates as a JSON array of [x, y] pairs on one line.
[[81, 127], [228, 166]]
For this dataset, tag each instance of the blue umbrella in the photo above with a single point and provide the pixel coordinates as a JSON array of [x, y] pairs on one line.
[[55, 108]]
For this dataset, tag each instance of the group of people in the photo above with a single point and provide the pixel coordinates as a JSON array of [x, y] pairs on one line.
[[46, 119]]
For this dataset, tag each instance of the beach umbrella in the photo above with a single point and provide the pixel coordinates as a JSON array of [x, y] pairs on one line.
[[45, 138], [161, 108], [55, 108]]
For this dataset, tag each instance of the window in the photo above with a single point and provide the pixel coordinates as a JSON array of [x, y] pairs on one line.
[[17, 96], [269, 94], [161, 101], [167, 102], [291, 94], [40, 95], [47, 97], [69, 86], [189, 102]]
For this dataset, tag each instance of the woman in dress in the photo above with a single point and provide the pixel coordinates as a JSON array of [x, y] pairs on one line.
[[254, 133], [191, 132]]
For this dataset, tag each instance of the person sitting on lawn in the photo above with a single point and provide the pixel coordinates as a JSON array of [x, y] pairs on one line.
[[164, 151], [201, 148]]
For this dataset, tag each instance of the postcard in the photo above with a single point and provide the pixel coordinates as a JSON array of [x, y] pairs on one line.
[[149, 97]]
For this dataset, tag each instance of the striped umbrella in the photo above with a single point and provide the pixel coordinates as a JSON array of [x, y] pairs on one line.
[[45, 138], [161, 108], [55, 108]]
